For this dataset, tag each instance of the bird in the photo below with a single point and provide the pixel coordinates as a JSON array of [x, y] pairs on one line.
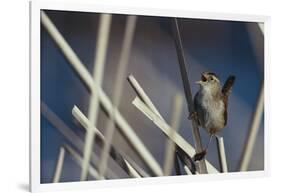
[[210, 105]]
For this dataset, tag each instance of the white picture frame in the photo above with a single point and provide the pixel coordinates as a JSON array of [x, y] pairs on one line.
[[36, 6]]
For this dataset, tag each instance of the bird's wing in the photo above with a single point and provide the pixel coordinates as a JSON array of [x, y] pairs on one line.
[[228, 85], [226, 89]]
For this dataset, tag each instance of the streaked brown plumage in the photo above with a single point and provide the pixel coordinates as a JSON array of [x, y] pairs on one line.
[[211, 102]]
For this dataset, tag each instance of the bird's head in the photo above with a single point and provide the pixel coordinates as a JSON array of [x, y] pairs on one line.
[[209, 81]]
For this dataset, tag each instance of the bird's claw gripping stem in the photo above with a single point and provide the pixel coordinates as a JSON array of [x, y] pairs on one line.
[[199, 156]]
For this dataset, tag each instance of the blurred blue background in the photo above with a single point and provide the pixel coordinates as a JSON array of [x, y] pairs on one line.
[[223, 47]]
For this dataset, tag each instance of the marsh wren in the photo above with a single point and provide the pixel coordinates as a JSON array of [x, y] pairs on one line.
[[210, 104]]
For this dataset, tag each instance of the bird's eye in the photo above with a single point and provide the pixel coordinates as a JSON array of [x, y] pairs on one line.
[[211, 78]]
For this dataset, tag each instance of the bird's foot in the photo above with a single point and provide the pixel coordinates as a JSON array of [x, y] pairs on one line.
[[193, 115], [199, 156]]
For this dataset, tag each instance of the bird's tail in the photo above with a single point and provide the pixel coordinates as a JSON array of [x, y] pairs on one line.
[[228, 85]]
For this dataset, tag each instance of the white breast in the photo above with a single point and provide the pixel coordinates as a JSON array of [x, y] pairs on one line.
[[215, 112]]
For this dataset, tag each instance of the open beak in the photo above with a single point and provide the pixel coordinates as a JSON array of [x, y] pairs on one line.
[[203, 79]]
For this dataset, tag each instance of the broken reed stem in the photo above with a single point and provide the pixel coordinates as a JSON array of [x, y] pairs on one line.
[[136, 167], [77, 142], [252, 132], [170, 145], [84, 121], [118, 90], [187, 170], [142, 95], [176, 138], [187, 91], [87, 79], [99, 63], [221, 154], [79, 160], [59, 165]]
